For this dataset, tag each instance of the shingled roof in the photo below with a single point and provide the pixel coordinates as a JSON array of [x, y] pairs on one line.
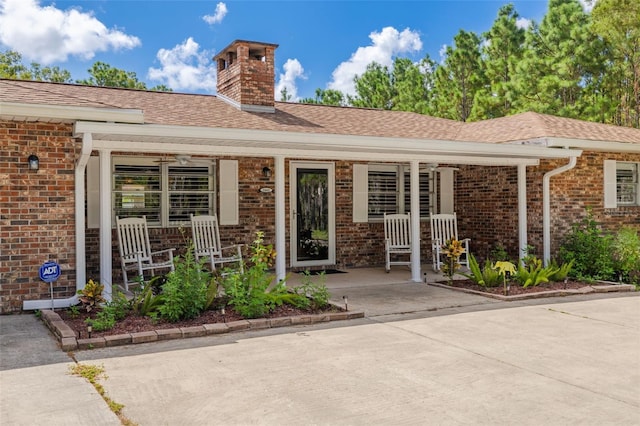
[[169, 108]]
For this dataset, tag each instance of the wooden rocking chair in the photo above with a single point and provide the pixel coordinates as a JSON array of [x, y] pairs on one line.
[[444, 227], [206, 242], [397, 239], [135, 249]]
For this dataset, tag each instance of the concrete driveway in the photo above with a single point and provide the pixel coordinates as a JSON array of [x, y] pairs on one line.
[[554, 362]]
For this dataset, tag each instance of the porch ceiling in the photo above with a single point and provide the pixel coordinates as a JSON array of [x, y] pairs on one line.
[[239, 142]]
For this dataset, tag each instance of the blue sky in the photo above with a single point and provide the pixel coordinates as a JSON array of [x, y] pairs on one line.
[[322, 44]]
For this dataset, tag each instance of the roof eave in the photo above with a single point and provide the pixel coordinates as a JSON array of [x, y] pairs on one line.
[[315, 141], [61, 113], [582, 144]]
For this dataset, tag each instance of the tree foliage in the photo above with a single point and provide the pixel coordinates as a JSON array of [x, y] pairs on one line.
[[617, 22], [459, 79], [326, 97], [11, 67], [104, 75], [502, 51], [101, 74]]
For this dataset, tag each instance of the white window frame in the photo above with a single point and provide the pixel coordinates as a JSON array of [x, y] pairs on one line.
[[614, 186], [402, 188], [164, 170], [627, 188]]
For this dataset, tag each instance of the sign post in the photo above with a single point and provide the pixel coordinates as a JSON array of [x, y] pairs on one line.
[[49, 272]]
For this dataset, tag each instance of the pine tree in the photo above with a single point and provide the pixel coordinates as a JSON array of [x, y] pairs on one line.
[[502, 50], [459, 78]]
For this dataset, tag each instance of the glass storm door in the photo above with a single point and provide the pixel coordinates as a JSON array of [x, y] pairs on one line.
[[312, 214]]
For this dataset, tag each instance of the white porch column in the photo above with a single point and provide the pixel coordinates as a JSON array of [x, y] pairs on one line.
[[281, 258], [522, 210], [415, 221], [106, 276]]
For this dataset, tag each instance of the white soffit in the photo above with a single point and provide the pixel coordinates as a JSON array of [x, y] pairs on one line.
[[247, 142], [49, 113], [595, 145]]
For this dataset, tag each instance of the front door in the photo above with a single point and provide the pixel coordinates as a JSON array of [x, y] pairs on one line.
[[312, 214]]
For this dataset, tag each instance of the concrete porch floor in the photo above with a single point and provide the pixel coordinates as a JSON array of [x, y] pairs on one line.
[[378, 293]]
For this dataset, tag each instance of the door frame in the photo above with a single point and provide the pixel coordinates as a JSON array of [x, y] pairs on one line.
[[293, 202]]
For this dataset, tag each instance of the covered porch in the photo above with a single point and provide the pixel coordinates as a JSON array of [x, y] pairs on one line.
[[282, 149]]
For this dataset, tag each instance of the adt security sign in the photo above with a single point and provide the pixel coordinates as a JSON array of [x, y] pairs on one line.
[[49, 271]]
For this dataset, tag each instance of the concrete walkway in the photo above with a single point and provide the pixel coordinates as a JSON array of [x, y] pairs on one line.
[[471, 360]]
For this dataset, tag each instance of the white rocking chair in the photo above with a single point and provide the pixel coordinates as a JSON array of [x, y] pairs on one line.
[[135, 249], [397, 238], [206, 241], [444, 227]]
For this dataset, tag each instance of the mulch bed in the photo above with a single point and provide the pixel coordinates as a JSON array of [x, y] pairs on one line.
[[515, 289], [135, 323]]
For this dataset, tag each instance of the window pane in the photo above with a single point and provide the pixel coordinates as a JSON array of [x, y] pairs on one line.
[[188, 178], [136, 191], [424, 193], [128, 204], [627, 183], [383, 193], [189, 193]]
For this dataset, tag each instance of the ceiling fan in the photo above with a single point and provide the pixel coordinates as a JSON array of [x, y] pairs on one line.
[[182, 160]]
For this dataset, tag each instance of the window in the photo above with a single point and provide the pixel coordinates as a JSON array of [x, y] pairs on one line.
[[389, 191], [627, 188], [165, 193]]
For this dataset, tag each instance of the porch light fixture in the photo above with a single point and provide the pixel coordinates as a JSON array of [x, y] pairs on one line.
[[34, 162], [266, 172]]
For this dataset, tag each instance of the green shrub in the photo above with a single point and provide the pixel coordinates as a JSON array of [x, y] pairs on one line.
[[119, 305], [533, 275], [249, 292], [146, 302], [499, 253], [488, 276], [626, 254], [184, 294], [590, 250], [104, 320], [110, 313], [563, 270], [314, 295], [91, 295]]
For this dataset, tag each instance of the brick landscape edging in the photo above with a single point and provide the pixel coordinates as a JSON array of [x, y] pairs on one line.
[[595, 288], [69, 342]]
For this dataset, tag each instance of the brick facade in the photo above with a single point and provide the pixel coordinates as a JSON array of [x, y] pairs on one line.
[[36, 211], [486, 200]]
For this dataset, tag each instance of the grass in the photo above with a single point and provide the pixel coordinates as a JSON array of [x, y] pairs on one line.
[[93, 373]]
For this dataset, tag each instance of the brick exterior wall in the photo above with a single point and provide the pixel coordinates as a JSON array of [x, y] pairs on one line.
[[486, 200], [36, 211]]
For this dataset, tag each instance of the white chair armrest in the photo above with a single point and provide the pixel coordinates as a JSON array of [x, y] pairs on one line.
[[170, 251]]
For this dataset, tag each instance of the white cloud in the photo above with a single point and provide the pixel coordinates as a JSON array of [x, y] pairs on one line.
[[292, 71], [587, 5], [385, 45], [185, 67], [47, 34], [523, 23], [218, 15], [443, 53]]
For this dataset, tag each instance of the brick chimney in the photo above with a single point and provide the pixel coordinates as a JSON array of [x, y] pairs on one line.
[[246, 75]]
